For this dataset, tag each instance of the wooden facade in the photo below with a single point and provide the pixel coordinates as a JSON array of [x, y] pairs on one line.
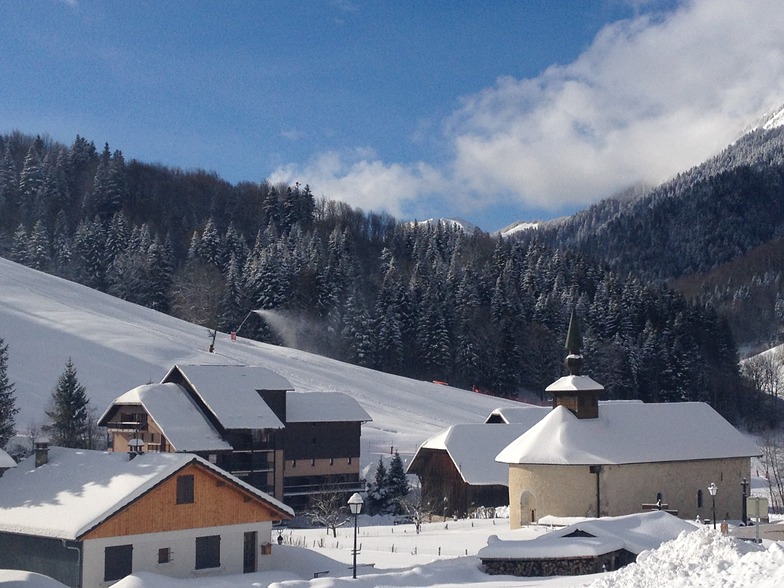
[[217, 501], [446, 491]]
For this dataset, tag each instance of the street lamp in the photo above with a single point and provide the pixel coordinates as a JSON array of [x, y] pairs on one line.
[[355, 505], [713, 488]]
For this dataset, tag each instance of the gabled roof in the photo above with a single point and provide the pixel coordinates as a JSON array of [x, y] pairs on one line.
[[627, 433], [230, 393], [472, 448], [6, 461], [324, 407], [175, 413], [78, 489]]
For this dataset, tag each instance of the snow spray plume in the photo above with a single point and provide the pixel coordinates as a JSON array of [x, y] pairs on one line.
[[290, 329]]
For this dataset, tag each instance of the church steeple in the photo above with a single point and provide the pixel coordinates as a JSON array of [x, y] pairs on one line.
[[574, 345], [578, 393]]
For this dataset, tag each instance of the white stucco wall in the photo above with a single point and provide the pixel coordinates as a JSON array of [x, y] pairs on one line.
[[183, 556], [571, 490]]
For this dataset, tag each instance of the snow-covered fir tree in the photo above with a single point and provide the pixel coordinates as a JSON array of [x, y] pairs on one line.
[[8, 409], [69, 414]]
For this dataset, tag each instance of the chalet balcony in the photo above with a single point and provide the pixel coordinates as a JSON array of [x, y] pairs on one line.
[[325, 486], [127, 426], [248, 462]]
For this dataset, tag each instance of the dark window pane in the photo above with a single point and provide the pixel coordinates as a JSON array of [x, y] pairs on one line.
[[208, 552], [184, 489]]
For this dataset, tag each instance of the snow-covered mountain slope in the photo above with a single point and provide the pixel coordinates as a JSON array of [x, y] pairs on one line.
[[116, 346], [518, 227], [769, 120], [448, 222]]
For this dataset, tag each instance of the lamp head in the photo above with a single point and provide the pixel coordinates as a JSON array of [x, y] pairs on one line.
[[355, 503]]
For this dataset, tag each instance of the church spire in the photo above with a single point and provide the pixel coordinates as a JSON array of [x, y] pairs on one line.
[[574, 344]]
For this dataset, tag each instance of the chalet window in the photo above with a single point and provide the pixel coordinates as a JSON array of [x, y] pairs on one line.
[[164, 555], [293, 463], [208, 552], [331, 461], [185, 489], [699, 498], [349, 461], [313, 462], [117, 562]]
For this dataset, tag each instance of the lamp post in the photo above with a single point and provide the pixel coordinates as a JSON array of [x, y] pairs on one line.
[[713, 489], [355, 505]]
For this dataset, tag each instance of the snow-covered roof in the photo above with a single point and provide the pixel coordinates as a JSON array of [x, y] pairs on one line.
[[78, 489], [324, 407], [635, 533], [472, 448], [574, 384], [525, 414], [6, 461], [231, 393], [176, 414], [630, 433]]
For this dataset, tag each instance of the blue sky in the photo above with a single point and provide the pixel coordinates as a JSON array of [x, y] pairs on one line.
[[488, 110]]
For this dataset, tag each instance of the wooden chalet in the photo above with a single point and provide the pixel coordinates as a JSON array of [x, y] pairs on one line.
[[249, 422]]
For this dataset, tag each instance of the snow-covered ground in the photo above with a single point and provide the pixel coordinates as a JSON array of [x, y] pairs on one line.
[[397, 556]]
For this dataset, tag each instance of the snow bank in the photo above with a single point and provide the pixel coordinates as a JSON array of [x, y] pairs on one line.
[[702, 558]]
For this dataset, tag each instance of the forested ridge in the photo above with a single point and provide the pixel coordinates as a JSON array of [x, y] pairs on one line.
[[714, 232], [425, 301]]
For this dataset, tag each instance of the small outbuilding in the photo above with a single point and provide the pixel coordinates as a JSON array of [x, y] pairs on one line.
[[587, 547]]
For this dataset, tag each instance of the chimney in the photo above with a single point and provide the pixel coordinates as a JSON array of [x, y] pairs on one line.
[[41, 446]]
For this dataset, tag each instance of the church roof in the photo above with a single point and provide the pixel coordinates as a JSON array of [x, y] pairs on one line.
[[626, 433], [574, 384]]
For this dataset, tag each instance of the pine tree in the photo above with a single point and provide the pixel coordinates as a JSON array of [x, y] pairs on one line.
[[69, 413], [7, 399], [377, 489], [397, 482]]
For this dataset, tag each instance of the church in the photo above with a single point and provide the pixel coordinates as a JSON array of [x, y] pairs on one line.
[[592, 459]]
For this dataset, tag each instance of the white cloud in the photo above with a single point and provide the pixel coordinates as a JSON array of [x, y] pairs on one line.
[[650, 97], [360, 179]]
